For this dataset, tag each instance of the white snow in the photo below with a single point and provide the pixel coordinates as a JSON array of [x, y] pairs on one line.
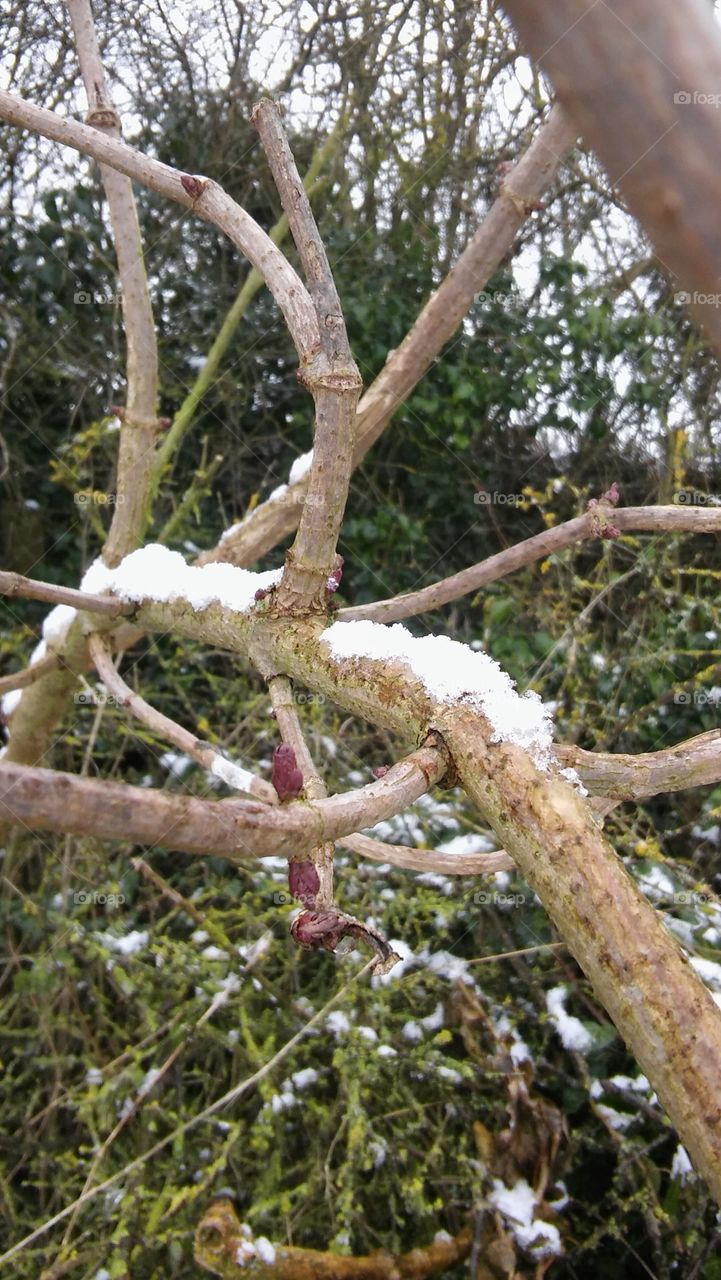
[[301, 467], [572, 1032], [301, 1079], [387, 1051], [471, 842], [176, 764], [93, 1075], [283, 1101], [619, 1120], [368, 1033], [708, 971], [9, 701], [127, 944], [214, 953], [232, 774], [265, 1250], [38, 653], [156, 573], [412, 1031], [681, 1166], [452, 672], [57, 623], [148, 1081], [517, 1204], [337, 1022]]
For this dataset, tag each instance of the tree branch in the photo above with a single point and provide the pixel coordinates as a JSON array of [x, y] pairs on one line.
[[454, 864], [14, 584], [139, 425], [331, 377], [436, 324], [205, 198], [47, 800], [641, 83], [639, 519], [232, 774]]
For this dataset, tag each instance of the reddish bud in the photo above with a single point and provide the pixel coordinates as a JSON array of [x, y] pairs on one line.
[[164, 424], [610, 531], [193, 186], [334, 579], [303, 881], [380, 770], [261, 593], [611, 495], [286, 776]]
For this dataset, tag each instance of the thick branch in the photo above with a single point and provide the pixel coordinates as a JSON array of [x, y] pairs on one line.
[[693, 763], [680, 519], [436, 324], [47, 800], [641, 83], [28, 675], [232, 774]]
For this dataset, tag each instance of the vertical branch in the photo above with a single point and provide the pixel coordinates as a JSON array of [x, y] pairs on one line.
[[331, 377], [139, 426]]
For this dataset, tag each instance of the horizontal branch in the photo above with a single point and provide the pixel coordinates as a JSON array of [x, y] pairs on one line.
[[46, 800], [659, 519], [199, 194], [693, 763], [454, 864], [14, 584]]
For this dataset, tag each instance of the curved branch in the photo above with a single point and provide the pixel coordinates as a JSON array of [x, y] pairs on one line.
[[204, 197], [28, 675], [453, 864], [234, 829], [139, 425], [549, 542], [232, 774]]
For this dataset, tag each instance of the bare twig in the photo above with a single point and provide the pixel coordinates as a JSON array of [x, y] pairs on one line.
[[47, 799], [14, 584], [138, 425], [226, 770], [454, 864], [331, 376], [638, 519]]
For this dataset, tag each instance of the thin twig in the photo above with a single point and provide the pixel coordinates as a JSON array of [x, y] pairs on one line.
[[226, 770], [14, 584]]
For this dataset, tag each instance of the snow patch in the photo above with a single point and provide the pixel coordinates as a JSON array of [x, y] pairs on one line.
[[157, 573], [231, 774], [452, 672], [57, 623], [572, 1032], [301, 467], [517, 1204]]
